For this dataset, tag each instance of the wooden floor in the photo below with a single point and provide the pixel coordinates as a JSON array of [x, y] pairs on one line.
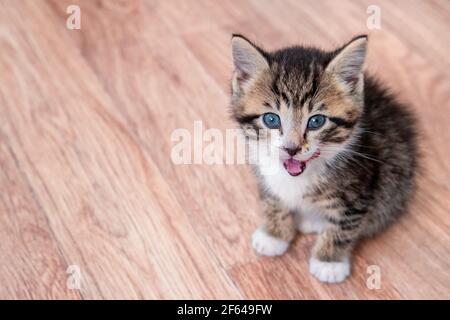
[[86, 177]]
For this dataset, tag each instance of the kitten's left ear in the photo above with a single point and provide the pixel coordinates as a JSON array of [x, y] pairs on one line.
[[347, 65]]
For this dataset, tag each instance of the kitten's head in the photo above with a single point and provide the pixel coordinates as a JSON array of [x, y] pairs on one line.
[[304, 103]]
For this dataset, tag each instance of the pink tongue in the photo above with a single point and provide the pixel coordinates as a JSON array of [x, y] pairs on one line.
[[294, 167]]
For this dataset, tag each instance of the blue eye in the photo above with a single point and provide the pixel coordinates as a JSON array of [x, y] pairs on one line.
[[271, 120], [315, 122]]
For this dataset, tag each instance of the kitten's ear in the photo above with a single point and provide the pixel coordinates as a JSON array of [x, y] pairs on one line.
[[249, 60], [347, 65]]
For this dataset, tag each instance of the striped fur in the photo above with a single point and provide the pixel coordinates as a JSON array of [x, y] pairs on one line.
[[365, 173]]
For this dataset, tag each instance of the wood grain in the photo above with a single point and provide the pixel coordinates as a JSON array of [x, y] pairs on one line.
[[85, 123]]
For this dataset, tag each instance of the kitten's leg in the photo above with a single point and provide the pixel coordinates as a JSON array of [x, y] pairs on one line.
[[278, 230], [330, 261]]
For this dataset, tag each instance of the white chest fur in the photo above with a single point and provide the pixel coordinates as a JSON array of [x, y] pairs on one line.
[[292, 190]]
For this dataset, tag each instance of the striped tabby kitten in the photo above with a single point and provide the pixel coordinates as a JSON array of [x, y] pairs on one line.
[[341, 155]]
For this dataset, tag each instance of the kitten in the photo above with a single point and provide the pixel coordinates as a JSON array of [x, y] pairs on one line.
[[341, 156]]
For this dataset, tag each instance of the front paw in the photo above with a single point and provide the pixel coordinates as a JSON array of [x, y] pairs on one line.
[[331, 272], [268, 245]]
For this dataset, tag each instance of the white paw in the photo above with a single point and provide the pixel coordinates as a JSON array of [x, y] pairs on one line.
[[331, 272], [268, 245]]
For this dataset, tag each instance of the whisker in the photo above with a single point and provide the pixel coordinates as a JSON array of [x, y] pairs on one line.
[[363, 155], [371, 132], [344, 157], [361, 145]]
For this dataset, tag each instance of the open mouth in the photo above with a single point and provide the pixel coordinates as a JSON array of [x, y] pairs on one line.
[[295, 167]]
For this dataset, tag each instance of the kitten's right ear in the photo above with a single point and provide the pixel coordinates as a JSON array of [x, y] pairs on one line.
[[249, 60]]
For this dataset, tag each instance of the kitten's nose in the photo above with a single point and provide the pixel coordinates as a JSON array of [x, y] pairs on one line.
[[292, 151]]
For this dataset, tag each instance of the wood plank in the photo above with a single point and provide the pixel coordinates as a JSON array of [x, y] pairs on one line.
[[224, 215], [107, 204], [421, 25], [86, 120], [32, 264]]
